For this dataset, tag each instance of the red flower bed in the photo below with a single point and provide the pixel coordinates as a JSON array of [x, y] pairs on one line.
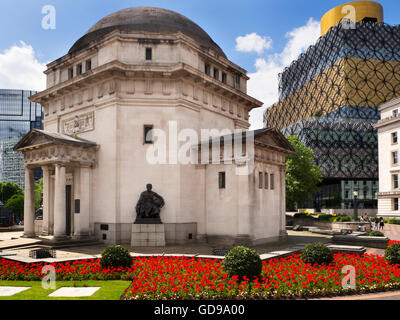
[[89, 269], [392, 242], [191, 278]]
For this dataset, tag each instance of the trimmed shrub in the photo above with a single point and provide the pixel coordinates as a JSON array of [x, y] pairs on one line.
[[324, 217], [302, 215], [116, 256], [392, 253], [317, 253], [242, 261], [344, 219], [375, 234], [394, 221]]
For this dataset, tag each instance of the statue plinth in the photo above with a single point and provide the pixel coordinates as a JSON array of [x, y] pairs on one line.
[[148, 221], [148, 235]]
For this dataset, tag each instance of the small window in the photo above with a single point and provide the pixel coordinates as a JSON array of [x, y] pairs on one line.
[[395, 181], [216, 73], [88, 65], [237, 81], [79, 69], [266, 181], [395, 113], [70, 73], [396, 204], [346, 194], [395, 157], [148, 54], [224, 77], [272, 181], [207, 69], [221, 180], [260, 180], [148, 134], [394, 138]]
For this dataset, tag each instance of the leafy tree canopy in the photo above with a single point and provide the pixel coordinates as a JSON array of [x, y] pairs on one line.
[[302, 175], [16, 202], [8, 189]]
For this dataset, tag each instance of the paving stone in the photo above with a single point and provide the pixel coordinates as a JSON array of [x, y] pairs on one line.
[[10, 291], [73, 292]]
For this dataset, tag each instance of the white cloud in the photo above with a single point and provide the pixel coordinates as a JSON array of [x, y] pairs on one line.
[[253, 43], [20, 69], [263, 84]]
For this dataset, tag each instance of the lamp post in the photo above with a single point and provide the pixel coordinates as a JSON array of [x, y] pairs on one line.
[[355, 193]]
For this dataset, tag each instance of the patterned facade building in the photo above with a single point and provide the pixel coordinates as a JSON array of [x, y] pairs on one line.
[[330, 96], [18, 116]]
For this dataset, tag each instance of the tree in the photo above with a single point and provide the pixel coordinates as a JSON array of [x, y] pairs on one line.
[[8, 189], [302, 175], [16, 202], [38, 193]]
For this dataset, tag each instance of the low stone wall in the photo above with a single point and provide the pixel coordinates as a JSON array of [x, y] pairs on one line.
[[345, 212], [369, 242], [121, 233], [312, 222]]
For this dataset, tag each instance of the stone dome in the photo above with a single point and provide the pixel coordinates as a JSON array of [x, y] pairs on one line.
[[148, 19]]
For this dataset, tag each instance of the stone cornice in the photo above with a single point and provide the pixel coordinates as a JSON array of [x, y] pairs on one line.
[[388, 195], [118, 70]]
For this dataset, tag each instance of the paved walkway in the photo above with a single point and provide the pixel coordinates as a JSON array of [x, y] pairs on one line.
[[393, 295], [392, 231]]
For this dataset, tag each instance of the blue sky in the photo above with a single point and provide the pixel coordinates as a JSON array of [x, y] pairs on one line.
[[223, 20]]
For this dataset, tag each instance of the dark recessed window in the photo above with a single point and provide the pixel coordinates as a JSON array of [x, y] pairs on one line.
[[148, 134], [88, 65], [70, 73], [223, 77], [237, 81], [395, 181], [148, 54], [79, 69], [369, 19], [216, 73], [260, 180], [396, 204], [221, 180], [394, 137], [395, 156], [272, 181], [266, 181], [207, 69]]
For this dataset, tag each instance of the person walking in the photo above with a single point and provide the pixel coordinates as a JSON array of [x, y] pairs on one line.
[[376, 223], [381, 224]]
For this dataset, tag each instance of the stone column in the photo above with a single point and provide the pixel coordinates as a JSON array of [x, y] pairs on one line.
[[46, 200], [29, 203], [85, 192], [77, 197], [282, 185], [59, 202]]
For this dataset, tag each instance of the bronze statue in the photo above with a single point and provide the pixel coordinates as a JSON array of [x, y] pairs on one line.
[[148, 207]]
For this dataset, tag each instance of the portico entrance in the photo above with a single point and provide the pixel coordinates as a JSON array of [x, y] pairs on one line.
[[67, 164]]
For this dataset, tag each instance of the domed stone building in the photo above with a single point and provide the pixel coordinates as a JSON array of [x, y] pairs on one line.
[[136, 74]]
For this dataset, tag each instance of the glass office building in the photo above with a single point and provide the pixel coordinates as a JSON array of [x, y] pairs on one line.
[[17, 116]]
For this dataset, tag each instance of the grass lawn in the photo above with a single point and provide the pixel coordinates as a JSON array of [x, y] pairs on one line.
[[110, 290]]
